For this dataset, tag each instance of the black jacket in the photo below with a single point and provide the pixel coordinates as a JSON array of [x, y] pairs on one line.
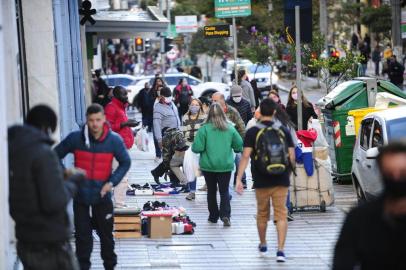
[[371, 239], [244, 109], [307, 112], [144, 101], [395, 73], [38, 193]]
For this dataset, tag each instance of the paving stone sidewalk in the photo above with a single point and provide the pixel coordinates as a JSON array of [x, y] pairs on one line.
[[310, 241]]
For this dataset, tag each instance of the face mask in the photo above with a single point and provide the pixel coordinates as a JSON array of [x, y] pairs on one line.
[[168, 100], [294, 96], [158, 93], [194, 109], [394, 189], [237, 99]]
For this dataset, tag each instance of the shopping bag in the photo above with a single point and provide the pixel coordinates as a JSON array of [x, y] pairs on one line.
[[141, 140], [191, 167]]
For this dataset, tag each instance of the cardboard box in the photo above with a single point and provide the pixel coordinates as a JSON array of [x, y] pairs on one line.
[[160, 227], [129, 234], [127, 219]]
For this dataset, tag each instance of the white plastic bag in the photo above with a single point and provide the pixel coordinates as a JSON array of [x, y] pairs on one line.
[[191, 167], [321, 140], [141, 140]]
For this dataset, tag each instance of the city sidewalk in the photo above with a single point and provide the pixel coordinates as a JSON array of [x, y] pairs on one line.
[[310, 242]]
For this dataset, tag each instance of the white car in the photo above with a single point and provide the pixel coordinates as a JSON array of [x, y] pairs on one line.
[[377, 129], [131, 83], [199, 88], [260, 73], [241, 64]]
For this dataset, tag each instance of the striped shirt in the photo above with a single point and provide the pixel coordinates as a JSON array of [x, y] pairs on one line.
[[191, 126]]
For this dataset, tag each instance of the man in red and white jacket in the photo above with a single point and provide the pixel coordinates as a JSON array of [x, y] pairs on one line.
[[119, 122]]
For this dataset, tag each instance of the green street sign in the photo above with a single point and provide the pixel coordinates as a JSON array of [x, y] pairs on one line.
[[232, 8], [172, 32]]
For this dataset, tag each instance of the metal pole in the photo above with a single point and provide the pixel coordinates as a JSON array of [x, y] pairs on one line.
[[235, 51], [396, 21], [298, 69], [323, 21]]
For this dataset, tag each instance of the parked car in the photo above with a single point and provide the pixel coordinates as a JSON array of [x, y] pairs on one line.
[[199, 88], [241, 64], [260, 73], [377, 129], [120, 79]]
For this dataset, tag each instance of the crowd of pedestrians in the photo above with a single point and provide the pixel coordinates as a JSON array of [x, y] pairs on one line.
[[225, 133]]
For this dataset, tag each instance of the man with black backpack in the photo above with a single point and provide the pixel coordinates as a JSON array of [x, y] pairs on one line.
[[271, 150]]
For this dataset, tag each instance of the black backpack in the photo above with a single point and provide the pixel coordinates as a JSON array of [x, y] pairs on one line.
[[270, 153], [184, 96]]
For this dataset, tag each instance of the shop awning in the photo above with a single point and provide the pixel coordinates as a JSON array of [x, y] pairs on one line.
[[128, 21]]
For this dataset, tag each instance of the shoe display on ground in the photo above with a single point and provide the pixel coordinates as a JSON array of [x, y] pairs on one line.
[[280, 256], [191, 196], [226, 221], [263, 249]]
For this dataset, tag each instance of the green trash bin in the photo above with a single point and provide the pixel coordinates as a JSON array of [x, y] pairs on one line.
[[355, 94]]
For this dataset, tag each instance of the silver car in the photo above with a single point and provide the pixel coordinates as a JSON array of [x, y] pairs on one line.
[[377, 129]]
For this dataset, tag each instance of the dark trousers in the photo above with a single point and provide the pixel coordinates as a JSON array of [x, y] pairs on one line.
[[147, 122], [376, 68], [222, 180], [47, 256], [101, 220]]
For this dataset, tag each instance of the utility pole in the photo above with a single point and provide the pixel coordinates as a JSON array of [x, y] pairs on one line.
[[235, 50], [323, 21], [298, 69], [396, 35]]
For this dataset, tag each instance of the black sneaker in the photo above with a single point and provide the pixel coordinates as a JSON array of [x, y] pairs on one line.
[[212, 221], [280, 257], [290, 218], [226, 221], [156, 178]]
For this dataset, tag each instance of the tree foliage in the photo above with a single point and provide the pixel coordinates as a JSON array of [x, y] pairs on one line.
[[210, 46], [335, 72], [379, 19]]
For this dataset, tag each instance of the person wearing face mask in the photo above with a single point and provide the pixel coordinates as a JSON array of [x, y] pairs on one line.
[[237, 101], [307, 108], [247, 90], [165, 116], [119, 122], [373, 235], [191, 122]]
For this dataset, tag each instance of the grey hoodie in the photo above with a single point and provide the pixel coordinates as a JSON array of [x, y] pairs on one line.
[[248, 92], [165, 116]]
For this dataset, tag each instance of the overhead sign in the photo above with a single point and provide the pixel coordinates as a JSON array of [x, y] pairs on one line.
[[186, 24], [217, 31], [232, 8]]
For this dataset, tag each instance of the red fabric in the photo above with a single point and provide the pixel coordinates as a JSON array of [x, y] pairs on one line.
[[115, 114], [98, 166], [178, 90], [307, 137]]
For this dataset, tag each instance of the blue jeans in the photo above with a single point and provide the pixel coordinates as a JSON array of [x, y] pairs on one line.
[[192, 185]]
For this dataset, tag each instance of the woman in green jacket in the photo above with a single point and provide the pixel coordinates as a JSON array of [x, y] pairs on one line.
[[215, 142]]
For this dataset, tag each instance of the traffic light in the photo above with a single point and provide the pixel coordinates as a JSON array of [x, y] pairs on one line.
[[168, 44], [139, 45]]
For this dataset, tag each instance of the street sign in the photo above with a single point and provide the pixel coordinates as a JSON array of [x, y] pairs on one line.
[[172, 54], [306, 23], [186, 24], [232, 8], [217, 31]]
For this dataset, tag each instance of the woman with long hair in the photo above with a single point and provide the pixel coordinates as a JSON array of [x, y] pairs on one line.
[[291, 108], [215, 142], [191, 122], [274, 95]]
